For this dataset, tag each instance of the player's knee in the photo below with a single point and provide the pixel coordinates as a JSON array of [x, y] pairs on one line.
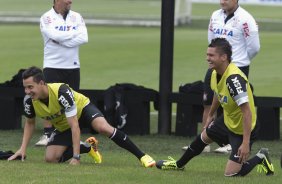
[[102, 126], [234, 169], [51, 159], [227, 174], [205, 138], [240, 173]]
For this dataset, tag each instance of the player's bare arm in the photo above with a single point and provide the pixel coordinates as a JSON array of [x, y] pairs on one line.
[[28, 131], [66, 100], [73, 122], [212, 114], [244, 149], [238, 91]]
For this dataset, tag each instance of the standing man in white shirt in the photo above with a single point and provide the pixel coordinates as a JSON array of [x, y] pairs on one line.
[[241, 30], [63, 31]]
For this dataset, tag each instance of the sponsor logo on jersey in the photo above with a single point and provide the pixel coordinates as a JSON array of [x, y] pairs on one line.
[[237, 85], [93, 116], [230, 90], [47, 20], [69, 92], [64, 102], [54, 116], [222, 32], [27, 108], [246, 30], [65, 28], [222, 99]]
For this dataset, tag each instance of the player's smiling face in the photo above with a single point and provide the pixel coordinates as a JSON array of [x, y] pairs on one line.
[[33, 89], [214, 58]]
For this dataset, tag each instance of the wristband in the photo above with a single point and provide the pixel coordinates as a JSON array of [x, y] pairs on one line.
[[77, 157]]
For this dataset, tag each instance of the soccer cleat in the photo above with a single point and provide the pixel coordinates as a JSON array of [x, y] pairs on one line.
[[147, 161], [94, 153], [265, 166], [43, 140], [207, 149], [225, 149], [169, 164]]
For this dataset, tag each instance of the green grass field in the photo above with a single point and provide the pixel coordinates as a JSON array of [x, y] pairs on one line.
[[121, 167], [131, 54]]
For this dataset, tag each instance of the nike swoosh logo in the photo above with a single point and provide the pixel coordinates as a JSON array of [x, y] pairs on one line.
[[124, 138], [94, 115]]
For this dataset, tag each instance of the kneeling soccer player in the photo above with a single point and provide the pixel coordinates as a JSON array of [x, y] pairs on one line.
[[66, 109], [237, 126]]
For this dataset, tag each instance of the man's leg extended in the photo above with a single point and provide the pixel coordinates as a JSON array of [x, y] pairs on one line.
[[194, 149], [121, 139]]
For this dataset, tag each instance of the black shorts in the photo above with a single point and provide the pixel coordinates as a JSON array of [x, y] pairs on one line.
[[219, 133], [89, 113], [61, 138], [67, 76]]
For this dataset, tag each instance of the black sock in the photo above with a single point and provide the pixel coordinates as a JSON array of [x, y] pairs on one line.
[[248, 166], [123, 141], [69, 152], [195, 148], [48, 131]]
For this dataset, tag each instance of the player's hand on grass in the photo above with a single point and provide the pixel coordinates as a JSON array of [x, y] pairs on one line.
[[74, 161], [19, 155]]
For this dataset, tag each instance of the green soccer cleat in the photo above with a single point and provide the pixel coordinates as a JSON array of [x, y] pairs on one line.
[[147, 161], [94, 153], [265, 166], [169, 164]]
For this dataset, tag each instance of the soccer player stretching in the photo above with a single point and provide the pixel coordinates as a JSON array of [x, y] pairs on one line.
[[236, 126], [66, 109]]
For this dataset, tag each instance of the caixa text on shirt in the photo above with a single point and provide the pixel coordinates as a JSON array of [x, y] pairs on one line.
[[223, 32], [65, 28]]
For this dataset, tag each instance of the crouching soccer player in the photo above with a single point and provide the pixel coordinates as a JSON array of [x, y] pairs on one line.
[[237, 126], [65, 109]]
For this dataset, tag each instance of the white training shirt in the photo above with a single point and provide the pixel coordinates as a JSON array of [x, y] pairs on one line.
[[62, 39], [241, 31]]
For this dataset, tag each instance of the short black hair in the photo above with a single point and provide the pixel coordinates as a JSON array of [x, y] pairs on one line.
[[34, 72], [222, 46]]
